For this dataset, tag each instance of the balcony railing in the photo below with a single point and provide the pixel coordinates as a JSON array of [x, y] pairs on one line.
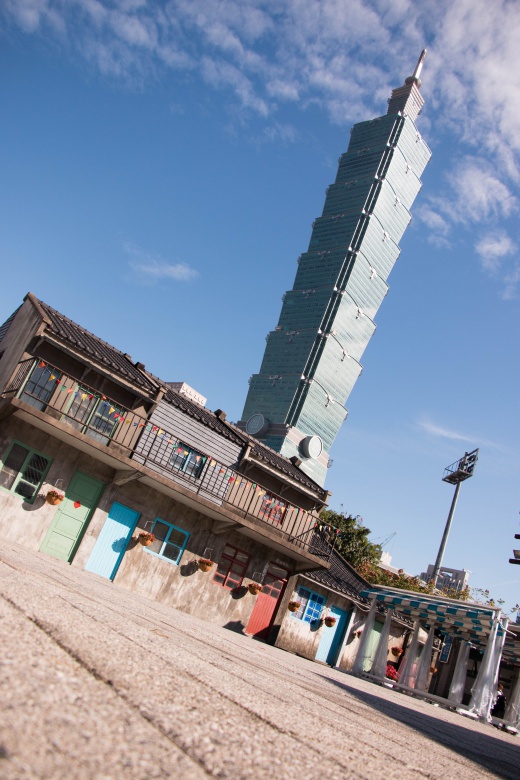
[[68, 400]]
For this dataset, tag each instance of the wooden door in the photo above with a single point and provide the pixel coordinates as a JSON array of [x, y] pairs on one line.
[[112, 541], [70, 521], [263, 614], [332, 636]]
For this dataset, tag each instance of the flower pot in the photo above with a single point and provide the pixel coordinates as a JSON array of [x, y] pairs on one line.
[[53, 499], [330, 621], [205, 565], [396, 651], [254, 588], [146, 539], [293, 606]]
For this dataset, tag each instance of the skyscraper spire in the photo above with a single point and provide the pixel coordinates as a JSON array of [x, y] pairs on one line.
[[312, 359], [407, 99]]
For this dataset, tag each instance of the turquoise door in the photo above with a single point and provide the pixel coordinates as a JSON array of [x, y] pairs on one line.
[[332, 636], [112, 541]]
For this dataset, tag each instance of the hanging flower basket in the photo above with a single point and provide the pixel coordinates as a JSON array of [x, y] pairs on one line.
[[293, 606], [392, 673], [330, 621], [397, 651], [53, 497], [146, 539], [204, 564], [254, 588]]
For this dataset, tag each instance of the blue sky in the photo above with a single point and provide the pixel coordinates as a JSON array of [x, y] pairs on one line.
[[162, 163]]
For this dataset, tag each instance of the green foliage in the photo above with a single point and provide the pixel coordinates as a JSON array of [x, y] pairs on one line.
[[352, 542]]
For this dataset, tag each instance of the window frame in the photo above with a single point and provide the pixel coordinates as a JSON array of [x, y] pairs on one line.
[[308, 611], [232, 561], [183, 466], [31, 452], [164, 542]]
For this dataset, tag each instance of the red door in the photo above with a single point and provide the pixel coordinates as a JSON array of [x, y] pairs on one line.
[[262, 616]]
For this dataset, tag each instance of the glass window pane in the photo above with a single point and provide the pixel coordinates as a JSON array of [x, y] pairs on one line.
[[161, 530], [34, 469], [171, 551], [177, 537], [26, 490], [12, 465]]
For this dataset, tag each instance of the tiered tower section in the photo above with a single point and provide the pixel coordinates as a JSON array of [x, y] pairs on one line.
[[312, 359]]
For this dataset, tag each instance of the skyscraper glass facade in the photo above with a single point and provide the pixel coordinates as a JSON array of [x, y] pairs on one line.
[[296, 403]]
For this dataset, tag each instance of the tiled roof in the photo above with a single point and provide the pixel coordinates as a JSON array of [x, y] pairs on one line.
[[230, 431], [5, 327], [341, 577], [96, 349], [104, 353], [203, 415]]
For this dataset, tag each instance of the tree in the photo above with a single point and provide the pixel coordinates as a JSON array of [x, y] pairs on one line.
[[352, 539]]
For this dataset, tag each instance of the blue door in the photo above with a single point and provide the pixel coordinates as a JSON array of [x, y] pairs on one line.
[[332, 636], [112, 541]]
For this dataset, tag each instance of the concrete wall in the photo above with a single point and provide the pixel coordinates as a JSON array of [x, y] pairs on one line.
[[300, 637], [182, 586]]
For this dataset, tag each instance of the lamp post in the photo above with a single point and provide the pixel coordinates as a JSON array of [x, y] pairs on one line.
[[455, 474], [516, 553]]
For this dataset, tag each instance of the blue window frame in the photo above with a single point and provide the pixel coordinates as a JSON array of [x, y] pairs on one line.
[[22, 470], [311, 605], [188, 460], [170, 541]]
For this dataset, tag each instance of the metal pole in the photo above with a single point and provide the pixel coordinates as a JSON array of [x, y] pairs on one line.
[[440, 554]]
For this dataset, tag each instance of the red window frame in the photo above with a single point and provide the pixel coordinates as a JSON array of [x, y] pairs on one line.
[[231, 571]]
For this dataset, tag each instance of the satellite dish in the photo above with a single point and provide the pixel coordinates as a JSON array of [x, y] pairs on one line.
[[257, 425], [311, 447]]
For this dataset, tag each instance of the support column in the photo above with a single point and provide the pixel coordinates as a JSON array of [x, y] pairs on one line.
[[381, 655], [482, 692], [407, 673], [425, 662], [459, 675], [357, 667]]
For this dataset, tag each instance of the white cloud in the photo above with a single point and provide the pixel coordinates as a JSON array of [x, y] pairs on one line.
[[342, 57], [444, 433], [511, 281], [153, 268], [493, 247]]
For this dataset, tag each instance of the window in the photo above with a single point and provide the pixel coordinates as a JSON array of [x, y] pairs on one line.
[[40, 386], [187, 460], [231, 567], [23, 470], [170, 541], [93, 415], [311, 605]]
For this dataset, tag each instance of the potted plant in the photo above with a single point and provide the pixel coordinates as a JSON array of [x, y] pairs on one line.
[[204, 564], [397, 651], [330, 621], [53, 497], [254, 588], [146, 539], [293, 606]]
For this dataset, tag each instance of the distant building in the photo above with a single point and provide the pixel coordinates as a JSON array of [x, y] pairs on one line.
[[295, 404], [449, 579]]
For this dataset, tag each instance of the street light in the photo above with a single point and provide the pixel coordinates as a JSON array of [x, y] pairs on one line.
[[516, 553], [455, 474]]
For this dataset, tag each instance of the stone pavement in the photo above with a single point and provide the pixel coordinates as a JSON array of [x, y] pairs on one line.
[[99, 683]]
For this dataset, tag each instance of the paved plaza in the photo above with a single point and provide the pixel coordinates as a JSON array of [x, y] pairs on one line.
[[97, 682]]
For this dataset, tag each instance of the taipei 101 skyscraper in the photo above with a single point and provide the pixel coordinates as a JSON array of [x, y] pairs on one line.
[[296, 403]]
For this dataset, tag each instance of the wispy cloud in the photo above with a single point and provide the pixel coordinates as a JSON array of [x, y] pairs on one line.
[[442, 432], [153, 268], [445, 433], [493, 247], [341, 57]]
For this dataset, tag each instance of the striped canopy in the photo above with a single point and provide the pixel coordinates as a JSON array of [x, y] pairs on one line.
[[460, 619]]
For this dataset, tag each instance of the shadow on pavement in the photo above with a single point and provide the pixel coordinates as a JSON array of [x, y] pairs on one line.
[[499, 757]]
